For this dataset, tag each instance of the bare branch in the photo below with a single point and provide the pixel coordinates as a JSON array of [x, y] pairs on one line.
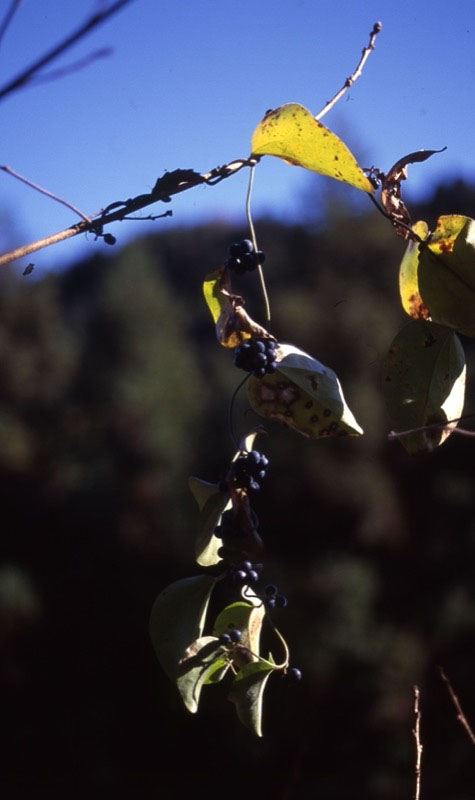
[[441, 425], [356, 74], [10, 13], [460, 715], [62, 72], [419, 747], [40, 189], [94, 21], [180, 180]]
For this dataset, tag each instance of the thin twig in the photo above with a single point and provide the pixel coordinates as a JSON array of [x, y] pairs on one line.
[[356, 74], [419, 747], [40, 189], [254, 242], [460, 715], [441, 425], [9, 14], [27, 74], [105, 217], [62, 72]]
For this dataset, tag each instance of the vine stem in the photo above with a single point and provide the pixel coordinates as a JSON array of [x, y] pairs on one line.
[[377, 27], [416, 731], [460, 715], [254, 241]]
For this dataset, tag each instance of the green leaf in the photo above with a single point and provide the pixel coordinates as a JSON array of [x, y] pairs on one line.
[[247, 618], [291, 132], [177, 619], [198, 662], [424, 383], [411, 299], [247, 693], [447, 273], [304, 395], [212, 503]]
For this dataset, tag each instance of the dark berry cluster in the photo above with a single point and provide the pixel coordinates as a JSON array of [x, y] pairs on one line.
[[256, 356], [243, 258], [245, 572], [249, 469], [233, 637], [274, 600]]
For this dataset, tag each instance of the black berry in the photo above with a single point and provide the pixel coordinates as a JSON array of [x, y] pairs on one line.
[[281, 601], [294, 674], [225, 638], [243, 258], [256, 356], [235, 635], [249, 469]]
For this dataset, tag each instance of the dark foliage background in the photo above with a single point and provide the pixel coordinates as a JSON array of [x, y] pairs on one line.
[[112, 392]]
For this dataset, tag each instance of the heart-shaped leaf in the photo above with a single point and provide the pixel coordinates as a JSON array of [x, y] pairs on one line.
[[177, 619], [247, 693], [447, 273], [424, 383], [304, 395], [291, 132]]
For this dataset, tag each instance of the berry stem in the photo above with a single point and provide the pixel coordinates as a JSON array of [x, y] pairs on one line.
[[254, 242]]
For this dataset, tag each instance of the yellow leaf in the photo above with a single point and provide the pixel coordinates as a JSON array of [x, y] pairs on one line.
[[411, 299], [233, 323], [291, 132]]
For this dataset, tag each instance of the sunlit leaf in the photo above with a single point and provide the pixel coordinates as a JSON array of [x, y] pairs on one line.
[[177, 619], [411, 299], [247, 693], [212, 503], [198, 662], [233, 323], [247, 618], [447, 273], [291, 132], [424, 383], [304, 395]]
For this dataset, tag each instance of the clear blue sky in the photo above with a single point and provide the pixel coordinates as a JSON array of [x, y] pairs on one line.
[[188, 81]]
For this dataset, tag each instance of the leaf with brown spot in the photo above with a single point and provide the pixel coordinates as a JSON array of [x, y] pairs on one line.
[[291, 132], [233, 323], [391, 190], [446, 273], [304, 395], [411, 299]]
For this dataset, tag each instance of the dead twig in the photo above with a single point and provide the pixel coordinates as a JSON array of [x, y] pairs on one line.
[[460, 715], [62, 72], [416, 731], [9, 14], [179, 180], [40, 189], [355, 75], [25, 77]]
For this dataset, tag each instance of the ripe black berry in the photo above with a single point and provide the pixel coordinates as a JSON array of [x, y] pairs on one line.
[[256, 356], [270, 590], [225, 638], [243, 258], [249, 469], [294, 674], [235, 635], [281, 601]]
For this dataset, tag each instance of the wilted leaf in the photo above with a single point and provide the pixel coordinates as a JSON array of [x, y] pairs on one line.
[[177, 619], [447, 273], [391, 190], [247, 693], [212, 503], [291, 132], [411, 299], [424, 383], [304, 395], [233, 324], [196, 665]]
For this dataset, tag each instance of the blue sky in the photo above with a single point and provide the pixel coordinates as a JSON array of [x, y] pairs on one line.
[[186, 84]]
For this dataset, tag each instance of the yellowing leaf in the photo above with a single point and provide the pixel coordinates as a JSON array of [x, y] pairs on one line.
[[304, 395], [291, 132], [233, 323], [411, 299], [447, 273]]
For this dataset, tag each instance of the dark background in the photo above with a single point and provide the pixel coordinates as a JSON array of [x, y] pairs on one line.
[[113, 391]]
